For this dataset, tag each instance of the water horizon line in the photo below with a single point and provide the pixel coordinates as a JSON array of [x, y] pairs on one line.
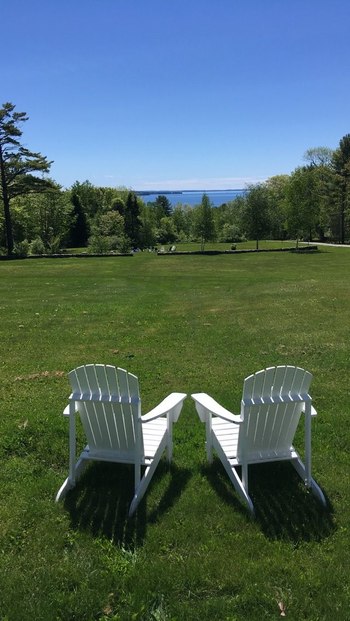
[[148, 192]]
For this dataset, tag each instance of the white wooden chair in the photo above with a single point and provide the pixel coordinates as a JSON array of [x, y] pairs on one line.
[[109, 404], [272, 402]]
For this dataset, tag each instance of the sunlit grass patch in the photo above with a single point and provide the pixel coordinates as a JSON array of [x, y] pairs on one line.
[[199, 323]]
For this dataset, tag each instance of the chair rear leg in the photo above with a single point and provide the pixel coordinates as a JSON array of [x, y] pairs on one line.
[[316, 490]]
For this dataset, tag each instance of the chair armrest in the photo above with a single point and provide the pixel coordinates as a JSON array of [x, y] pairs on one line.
[[207, 405], [313, 411], [66, 410], [172, 404]]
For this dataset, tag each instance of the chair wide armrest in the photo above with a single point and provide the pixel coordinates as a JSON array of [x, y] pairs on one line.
[[206, 405], [66, 410], [172, 404], [313, 411]]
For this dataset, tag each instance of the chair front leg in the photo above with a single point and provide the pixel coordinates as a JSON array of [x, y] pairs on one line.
[[170, 437], [209, 441], [308, 444], [72, 444], [245, 476]]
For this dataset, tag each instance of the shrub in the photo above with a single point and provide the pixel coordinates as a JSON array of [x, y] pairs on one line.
[[54, 245], [101, 244], [98, 244], [21, 249], [37, 246]]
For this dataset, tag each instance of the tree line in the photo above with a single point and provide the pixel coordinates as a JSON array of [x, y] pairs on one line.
[[39, 216]]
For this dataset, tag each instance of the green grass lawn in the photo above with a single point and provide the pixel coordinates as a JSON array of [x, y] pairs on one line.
[[189, 324]]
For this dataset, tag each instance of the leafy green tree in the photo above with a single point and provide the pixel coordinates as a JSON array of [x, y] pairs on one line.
[[46, 215], [228, 220], [255, 213], [204, 221], [302, 207], [147, 227], [17, 163], [182, 217], [277, 187], [91, 197], [108, 233], [51, 213], [319, 156], [118, 205], [166, 232], [111, 223]]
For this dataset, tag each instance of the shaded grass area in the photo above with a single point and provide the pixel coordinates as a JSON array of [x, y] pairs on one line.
[[191, 552]]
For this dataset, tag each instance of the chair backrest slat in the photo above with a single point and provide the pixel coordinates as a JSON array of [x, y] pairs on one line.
[[109, 408], [123, 383], [101, 377], [112, 380], [272, 403]]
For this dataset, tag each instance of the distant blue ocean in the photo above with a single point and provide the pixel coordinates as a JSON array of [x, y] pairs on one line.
[[193, 197]]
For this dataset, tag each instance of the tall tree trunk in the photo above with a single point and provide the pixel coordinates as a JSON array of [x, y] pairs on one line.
[[7, 213]]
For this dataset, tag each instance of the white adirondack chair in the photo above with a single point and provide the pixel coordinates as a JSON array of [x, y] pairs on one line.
[[272, 402], [109, 404]]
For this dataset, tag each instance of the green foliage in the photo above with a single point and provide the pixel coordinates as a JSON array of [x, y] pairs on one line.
[[255, 213], [17, 163], [311, 203], [228, 220], [166, 232], [340, 186], [21, 249], [108, 234], [319, 156], [301, 204], [132, 219], [37, 246], [110, 223], [204, 224], [183, 219], [277, 189], [79, 227], [162, 208]]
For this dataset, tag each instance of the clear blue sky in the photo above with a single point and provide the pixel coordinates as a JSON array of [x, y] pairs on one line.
[[156, 94]]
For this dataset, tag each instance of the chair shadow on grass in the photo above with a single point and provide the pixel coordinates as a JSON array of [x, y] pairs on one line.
[[99, 504], [284, 508]]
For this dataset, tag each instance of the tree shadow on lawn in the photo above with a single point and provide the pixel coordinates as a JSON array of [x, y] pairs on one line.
[[101, 499], [284, 508]]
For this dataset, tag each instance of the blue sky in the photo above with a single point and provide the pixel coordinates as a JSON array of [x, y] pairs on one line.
[[177, 94]]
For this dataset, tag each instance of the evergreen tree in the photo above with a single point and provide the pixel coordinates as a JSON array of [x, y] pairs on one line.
[[79, 230], [162, 208], [16, 165], [341, 184], [132, 219]]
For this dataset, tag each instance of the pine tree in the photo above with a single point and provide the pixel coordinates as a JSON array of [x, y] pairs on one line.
[[132, 219], [16, 165], [79, 230]]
